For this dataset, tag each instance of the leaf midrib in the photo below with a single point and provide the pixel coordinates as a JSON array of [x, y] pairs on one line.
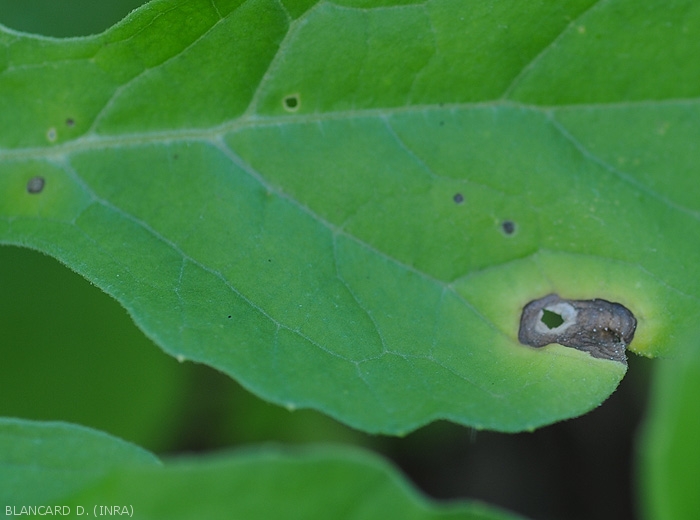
[[59, 155], [95, 141]]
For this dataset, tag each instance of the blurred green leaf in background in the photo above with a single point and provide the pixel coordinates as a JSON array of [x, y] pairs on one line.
[[48, 463], [669, 451], [64, 18]]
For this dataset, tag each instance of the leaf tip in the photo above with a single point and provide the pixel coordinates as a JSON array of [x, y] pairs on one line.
[[599, 327]]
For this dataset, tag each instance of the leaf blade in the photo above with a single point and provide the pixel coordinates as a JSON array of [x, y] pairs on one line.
[[291, 194], [46, 463]]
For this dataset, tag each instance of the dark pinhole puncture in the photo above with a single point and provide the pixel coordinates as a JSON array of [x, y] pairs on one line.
[[36, 184], [291, 103], [599, 327]]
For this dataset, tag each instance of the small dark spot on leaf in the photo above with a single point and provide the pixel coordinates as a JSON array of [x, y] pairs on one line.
[[176, 156], [70, 122], [36, 184], [229, 316], [291, 103], [442, 123], [458, 198], [269, 260], [599, 327], [508, 227]]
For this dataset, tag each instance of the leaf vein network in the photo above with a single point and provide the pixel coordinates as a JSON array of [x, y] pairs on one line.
[[546, 50]]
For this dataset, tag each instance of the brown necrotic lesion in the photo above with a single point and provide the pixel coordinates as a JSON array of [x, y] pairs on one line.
[[599, 327]]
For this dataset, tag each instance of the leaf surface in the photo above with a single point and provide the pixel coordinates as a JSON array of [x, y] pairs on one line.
[[71, 353], [43, 461], [346, 205], [57, 463], [669, 451]]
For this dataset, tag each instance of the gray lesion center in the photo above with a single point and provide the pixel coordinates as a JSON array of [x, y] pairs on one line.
[[555, 318], [35, 184], [599, 327]]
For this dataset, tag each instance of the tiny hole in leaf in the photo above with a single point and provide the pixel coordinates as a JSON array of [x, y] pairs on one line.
[[35, 184], [458, 198], [70, 122], [551, 319], [51, 134], [508, 227], [229, 316], [292, 103]]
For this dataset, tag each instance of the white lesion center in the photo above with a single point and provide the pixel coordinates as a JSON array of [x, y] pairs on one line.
[[564, 310]]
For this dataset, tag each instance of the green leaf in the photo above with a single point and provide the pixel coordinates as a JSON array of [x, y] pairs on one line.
[[54, 463], [70, 353], [669, 451], [64, 19], [43, 462], [317, 483], [346, 205]]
